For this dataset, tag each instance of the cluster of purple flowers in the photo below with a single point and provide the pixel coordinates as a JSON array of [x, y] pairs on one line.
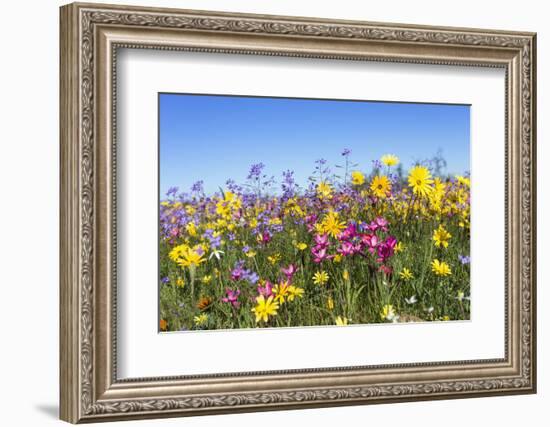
[[289, 185], [215, 241], [198, 187], [240, 273]]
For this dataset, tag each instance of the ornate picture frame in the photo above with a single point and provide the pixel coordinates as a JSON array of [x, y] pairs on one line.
[[90, 37]]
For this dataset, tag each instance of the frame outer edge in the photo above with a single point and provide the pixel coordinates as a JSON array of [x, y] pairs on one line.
[[69, 355], [533, 206], [77, 226]]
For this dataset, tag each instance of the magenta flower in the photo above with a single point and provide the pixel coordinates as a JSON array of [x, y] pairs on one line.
[[349, 233], [265, 238], [346, 248], [386, 249], [289, 271], [382, 223], [321, 240], [392, 241], [311, 219], [232, 297], [378, 224], [320, 254]]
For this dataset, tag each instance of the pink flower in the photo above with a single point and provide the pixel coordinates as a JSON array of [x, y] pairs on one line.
[[266, 290], [232, 297], [371, 241], [321, 240], [382, 223], [378, 224], [320, 255], [385, 269], [346, 248], [289, 271]]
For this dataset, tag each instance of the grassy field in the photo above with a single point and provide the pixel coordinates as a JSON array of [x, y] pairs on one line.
[[383, 246]]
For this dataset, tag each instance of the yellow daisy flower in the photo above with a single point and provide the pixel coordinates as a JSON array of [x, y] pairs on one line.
[[357, 178], [324, 190], [420, 180], [332, 225], [441, 237], [390, 159], [320, 278], [406, 274], [441, 268], [265, 308], [380, 186]]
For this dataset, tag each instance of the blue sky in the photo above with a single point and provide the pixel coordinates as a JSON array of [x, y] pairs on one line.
[[213, 138]]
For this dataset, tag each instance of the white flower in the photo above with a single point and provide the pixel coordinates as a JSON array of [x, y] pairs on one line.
[[411, 300], [391, 315], [216, 253]]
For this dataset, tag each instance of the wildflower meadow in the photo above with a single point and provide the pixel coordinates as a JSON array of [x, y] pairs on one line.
[[364, 241]]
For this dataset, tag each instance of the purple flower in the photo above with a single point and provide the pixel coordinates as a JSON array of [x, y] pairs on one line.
[[464, 259], [233, 187], [255, 171], [198, 187], [232, 297], [172, 191], [165, 279], [346, 152], [321, 168], [376, 164], [241, 273], [252, 277], [215, 242], [238, 272], [288, 185]]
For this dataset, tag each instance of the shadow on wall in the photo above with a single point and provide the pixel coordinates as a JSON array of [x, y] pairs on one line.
[[49, 409]]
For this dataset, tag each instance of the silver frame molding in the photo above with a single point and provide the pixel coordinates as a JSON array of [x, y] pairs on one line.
[[90, 37]]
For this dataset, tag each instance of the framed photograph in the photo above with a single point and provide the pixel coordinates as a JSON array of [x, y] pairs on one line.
[[266, 212]]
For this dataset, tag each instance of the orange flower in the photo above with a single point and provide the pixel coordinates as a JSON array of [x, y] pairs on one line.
[[163, 325], [204, 303]]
